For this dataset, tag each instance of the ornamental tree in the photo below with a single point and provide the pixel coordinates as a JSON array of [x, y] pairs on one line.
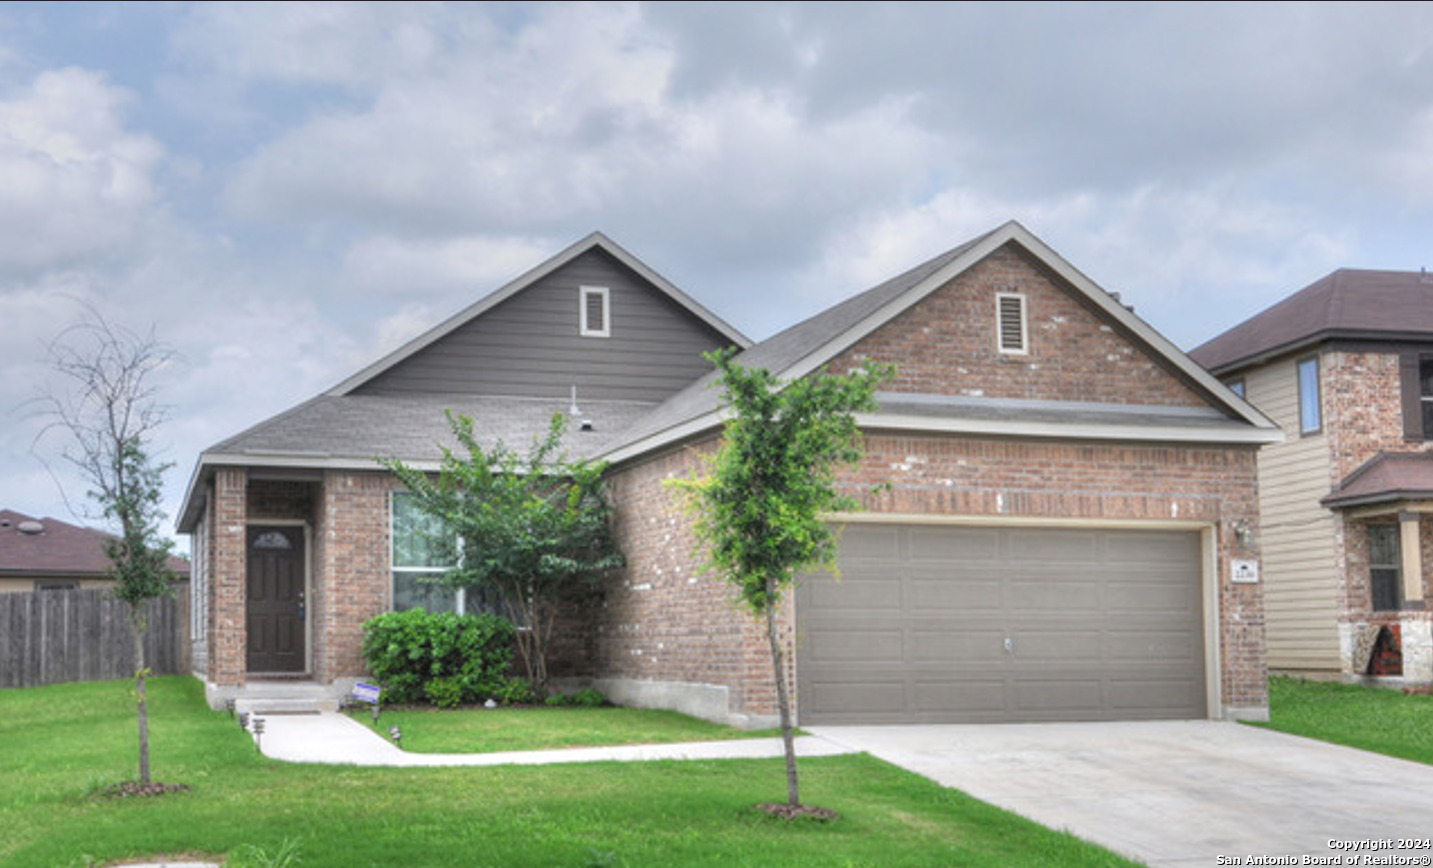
[[534, 530], [109, 413], [761, 508]]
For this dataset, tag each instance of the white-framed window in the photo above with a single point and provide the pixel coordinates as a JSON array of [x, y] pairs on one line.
[[594, 312], [415, 555], [1310, 413], [1011, 332]]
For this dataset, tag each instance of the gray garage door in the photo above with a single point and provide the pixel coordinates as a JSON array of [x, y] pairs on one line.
[[975, 624]]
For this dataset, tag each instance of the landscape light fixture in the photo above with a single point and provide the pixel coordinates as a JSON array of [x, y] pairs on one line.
[[258, 732], [396, 734]]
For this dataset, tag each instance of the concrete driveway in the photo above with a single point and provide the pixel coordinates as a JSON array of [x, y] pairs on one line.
[[1176, 794]]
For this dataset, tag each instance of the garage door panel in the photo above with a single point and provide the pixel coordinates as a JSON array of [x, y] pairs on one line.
[[857, 646], [949, 593], [869, 542], [1166, 596], [1164, 645], [961, 545], [970, 696], [1151, 548], [1104, 625], [1058, 593], [859, 698], [1056, 647], [1132, 697], [966, 646], [1055, 547], [1049, 698], [853, 594]]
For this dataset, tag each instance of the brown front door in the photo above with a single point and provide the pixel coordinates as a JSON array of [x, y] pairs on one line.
[[276, 599]]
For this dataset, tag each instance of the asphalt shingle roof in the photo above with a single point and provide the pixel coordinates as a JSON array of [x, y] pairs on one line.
[[58, 548], [1347, 303]]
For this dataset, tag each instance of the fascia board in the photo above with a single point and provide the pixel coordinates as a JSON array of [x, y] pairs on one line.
[[1060, 431]]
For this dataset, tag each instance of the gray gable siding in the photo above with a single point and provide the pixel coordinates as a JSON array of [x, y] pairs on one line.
[[529, 345]]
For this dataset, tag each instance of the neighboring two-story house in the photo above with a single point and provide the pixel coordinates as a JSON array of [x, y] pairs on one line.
[[1345, 367], [1056, 501]]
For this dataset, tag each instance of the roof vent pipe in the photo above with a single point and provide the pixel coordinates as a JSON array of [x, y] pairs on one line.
[[30, 528]]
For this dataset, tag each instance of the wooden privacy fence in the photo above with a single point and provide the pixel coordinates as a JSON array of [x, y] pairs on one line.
[[52, 637]]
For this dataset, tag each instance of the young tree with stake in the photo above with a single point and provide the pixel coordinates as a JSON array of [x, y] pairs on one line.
[[761, 509], [109, 413]]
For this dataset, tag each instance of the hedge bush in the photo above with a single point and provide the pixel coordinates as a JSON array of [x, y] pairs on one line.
[[442, 658]]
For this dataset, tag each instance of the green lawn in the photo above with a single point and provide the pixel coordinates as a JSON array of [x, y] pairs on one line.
[[63, 745], [1383, 721], [506, 729]]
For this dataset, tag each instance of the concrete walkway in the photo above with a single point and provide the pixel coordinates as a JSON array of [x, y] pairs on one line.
[[337, 739], [1174, 794]]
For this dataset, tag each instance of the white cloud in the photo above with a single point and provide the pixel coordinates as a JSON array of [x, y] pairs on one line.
[[78, 184], [456, 267]]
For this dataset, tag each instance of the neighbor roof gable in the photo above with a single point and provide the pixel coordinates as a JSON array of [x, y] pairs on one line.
[[1348, 303]]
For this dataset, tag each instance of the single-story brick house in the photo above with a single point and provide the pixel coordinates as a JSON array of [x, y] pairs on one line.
[[1061, 532], [1345, 367]]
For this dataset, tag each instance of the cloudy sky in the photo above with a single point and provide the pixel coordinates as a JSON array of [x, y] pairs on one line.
[[284, 192]]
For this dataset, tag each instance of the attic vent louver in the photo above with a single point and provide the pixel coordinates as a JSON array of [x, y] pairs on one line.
[[1010, 316], [595, 312]]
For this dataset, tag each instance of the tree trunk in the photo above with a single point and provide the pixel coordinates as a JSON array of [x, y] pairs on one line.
[[138, 629], [783, 701]]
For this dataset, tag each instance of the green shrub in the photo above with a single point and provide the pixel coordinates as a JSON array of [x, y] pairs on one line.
[[515, 691], [443, 658], [587, 697]]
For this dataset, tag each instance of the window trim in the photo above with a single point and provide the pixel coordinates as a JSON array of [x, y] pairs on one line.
[[1395, 568], [1424, 399], [1317, 395], [1024, 348], [584, 327], [460, 594]]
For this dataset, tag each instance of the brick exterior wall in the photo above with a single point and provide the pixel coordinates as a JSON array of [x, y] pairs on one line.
[[227, 629], [352, 581], [1363, 416], [946, 345], [665, 620]]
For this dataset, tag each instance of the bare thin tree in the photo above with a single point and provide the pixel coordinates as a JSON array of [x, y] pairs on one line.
[[108, 410]]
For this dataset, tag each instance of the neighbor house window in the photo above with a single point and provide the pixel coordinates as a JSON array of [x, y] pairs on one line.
[[1012, 335], [417, 556], [1310, 418], [1385, 566], [1425, 396], [595, 312]]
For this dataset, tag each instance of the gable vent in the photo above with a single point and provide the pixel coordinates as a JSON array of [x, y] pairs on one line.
[[594, 309], [1010, 315]]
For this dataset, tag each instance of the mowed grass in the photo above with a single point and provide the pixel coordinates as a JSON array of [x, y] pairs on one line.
[[1383, 721], [60, 746], [482, 730]]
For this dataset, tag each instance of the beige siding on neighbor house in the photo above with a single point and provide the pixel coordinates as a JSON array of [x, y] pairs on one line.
[[1299, 564]]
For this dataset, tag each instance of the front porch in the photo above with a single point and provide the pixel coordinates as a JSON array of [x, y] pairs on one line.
[[1385, 518], [290, 565]]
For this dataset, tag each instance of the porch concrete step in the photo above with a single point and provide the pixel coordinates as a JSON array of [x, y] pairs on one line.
[[285, 705]]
